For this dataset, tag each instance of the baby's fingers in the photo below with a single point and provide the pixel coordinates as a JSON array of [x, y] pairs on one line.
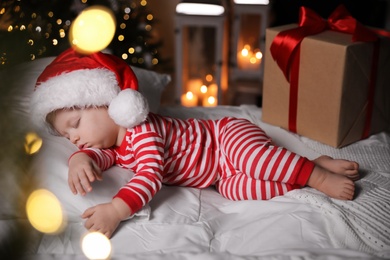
[[90, 174], [72, 186], [81, 183], [84, 184]]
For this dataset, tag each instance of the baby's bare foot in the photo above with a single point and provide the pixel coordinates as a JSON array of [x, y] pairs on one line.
[[339, 166], [334, 185]]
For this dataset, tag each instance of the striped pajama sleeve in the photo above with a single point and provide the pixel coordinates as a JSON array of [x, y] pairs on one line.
[[148, 152]]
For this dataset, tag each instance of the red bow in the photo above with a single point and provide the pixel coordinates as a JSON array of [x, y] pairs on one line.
[[287, 42], [285, 49]]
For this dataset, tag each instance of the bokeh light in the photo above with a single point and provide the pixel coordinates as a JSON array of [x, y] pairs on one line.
[[211, 100], [95, 245], [92, 30], [203, 89], [44, 212], [32, 143]]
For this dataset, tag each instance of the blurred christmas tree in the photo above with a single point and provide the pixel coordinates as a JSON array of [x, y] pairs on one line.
[[135, 40], [33, 29], [30, 29]]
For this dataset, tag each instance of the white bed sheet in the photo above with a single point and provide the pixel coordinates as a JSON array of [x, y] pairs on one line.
[[188, 223]]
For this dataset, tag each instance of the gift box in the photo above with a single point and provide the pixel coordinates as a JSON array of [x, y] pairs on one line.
[[339, 99]]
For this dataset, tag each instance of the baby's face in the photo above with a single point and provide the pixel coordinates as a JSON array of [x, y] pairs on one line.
[[87, 128]]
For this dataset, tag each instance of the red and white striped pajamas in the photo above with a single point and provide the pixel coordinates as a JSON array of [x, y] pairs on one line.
[[233, 154]]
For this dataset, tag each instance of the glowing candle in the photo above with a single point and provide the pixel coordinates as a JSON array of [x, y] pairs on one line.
[[248, 59], [211, 101], [203, 89], [213, 90], [194, 86], [189, 99]]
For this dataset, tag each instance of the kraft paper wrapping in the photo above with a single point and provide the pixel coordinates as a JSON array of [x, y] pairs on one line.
[[333, 86]]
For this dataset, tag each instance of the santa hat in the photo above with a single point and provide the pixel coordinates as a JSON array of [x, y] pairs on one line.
[[98, 79]]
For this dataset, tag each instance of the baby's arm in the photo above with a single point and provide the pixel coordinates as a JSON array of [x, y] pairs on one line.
[[85, 168], [105, 218]]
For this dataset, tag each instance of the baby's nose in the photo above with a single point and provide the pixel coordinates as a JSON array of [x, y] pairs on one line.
[[74, 139]]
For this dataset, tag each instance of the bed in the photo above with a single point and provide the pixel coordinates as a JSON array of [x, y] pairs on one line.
[[188, 223]]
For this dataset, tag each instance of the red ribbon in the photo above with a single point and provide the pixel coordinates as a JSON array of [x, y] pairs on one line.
[[285, 49]]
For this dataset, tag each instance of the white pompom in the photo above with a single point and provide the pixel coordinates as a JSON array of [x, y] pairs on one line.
[[129, 108]]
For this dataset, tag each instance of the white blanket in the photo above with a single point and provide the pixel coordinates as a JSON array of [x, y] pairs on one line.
[[188, 223]]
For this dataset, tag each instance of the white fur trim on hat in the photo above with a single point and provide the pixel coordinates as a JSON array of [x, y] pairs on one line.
[[88, 88], [129, 108]]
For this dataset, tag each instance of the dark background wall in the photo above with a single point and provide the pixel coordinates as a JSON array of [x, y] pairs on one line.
[[368, 12]]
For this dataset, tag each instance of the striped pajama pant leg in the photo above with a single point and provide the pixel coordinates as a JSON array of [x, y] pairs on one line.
[[254, 169]]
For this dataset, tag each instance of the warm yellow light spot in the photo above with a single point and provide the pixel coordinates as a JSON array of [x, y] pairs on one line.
[[149, 17], [44, 212], [203, 89], [253, 60], [154, 61], [62, 33], [144, 2], [259, 55], [92, 30], [189, 95], [10, 28], [131, 50], [32, 143], [209, 77], [211, 100], [244, 52], [125, 56], [121, 38], [95, 245]]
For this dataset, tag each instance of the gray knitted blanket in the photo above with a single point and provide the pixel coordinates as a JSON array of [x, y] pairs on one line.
[[364, 223]]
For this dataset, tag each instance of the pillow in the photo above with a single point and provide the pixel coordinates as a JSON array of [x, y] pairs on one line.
[[21, 79], [50, 164], [50, 167], [151, 85]]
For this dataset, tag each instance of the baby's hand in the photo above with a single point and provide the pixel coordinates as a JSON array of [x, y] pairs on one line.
[[105, 218], [82, 171]]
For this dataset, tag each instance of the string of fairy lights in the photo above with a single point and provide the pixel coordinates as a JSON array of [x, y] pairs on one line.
[[34, 29]]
